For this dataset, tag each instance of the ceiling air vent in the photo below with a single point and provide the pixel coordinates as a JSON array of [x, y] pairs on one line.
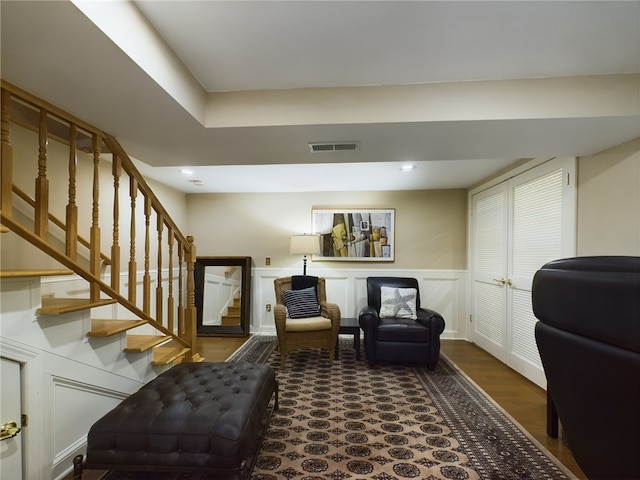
[[334, 147]]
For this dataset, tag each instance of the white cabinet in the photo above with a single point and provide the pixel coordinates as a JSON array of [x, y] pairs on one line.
[[516, 227]]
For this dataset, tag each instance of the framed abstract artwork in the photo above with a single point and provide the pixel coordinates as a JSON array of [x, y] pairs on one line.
[[355, 234]]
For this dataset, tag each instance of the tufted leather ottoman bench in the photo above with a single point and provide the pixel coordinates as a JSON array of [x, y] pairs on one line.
[[204, 417]]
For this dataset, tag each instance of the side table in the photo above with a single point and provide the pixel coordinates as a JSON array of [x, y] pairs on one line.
[[349, 326]]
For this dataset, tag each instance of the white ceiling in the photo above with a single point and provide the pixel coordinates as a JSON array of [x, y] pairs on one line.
[[169, 78], [277, 45]]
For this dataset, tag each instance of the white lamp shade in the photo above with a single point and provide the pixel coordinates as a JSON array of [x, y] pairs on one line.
[[305, 244]]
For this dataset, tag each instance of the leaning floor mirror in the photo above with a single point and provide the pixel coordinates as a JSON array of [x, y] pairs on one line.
[[223, 295]]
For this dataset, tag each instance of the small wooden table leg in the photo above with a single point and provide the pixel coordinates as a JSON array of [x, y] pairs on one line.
[[552, 417], [352, 328]]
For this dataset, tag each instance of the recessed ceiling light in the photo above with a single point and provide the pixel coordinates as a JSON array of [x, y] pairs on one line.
[[407, 168], [197, 183], [186, 171]]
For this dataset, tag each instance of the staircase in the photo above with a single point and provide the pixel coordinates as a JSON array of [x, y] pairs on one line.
[[232, 317], [97, 290], [62, 216]]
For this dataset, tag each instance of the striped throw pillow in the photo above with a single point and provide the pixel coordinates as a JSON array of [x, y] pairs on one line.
[[301, 303]]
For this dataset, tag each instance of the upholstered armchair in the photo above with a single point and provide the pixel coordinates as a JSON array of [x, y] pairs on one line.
[[396, 328], [303, 317], [588, 336]]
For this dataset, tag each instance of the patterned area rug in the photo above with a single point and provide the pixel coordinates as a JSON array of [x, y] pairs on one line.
[[392, 422], [348, 421]]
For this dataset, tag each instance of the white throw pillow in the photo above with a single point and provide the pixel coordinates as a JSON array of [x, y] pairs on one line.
[[398, 302]]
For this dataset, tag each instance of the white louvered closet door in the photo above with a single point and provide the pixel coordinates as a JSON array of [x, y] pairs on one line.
[[540, 227], [490, 220]]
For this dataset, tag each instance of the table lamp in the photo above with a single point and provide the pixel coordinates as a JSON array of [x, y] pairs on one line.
[[305, 245]]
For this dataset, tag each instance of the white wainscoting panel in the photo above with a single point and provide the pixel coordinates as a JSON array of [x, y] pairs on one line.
[[440, 290], [74, 407]]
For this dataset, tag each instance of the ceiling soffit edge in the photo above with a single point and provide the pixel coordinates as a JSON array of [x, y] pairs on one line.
[[540, 98]]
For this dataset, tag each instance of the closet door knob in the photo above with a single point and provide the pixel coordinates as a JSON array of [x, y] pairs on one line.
[[9, 430]]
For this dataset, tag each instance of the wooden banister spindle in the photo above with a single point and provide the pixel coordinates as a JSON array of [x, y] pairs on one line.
[[71, 223], [181, 252], [170, 306], [41, 216], [146, 279], [94, 236], [159, 290], [116, 170], [6, 161], [133, 267]]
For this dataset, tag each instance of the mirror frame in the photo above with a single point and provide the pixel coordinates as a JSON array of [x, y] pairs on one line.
[[245, 302]]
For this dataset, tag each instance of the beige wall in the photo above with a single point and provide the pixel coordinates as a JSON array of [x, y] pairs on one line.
[[430, 225], [609, 202]]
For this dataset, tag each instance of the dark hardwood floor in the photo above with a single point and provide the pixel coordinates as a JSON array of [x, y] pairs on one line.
[[218, 349], [522, 399]]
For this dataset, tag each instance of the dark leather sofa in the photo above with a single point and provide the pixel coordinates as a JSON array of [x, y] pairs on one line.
[[588, 336], [399, 340]]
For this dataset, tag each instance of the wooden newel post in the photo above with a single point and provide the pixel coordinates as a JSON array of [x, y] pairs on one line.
[[190, 312]]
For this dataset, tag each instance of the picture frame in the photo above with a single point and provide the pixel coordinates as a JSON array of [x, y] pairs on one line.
[[355, 234]]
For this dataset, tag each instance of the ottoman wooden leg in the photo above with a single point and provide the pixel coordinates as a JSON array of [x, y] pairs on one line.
[[77, 467]]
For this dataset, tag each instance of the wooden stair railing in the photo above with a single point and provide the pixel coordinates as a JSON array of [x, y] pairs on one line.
[[57, 222], [169, 312]]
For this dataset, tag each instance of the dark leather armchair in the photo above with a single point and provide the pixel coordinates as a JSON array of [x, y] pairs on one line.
[[399, 339], [588, 336]]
